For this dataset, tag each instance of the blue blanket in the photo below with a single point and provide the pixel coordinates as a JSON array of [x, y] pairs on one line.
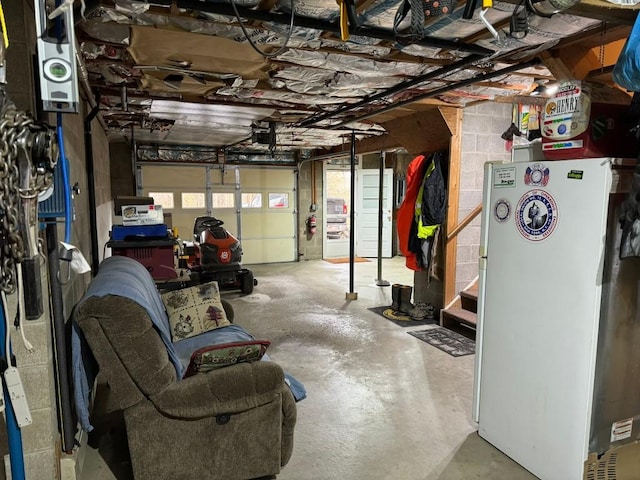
[[127, 278]]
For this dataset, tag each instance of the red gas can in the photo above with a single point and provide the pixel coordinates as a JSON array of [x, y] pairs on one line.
[[586, 120]]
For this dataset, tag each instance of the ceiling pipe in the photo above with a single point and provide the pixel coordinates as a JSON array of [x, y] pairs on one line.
[[317, 24], [463, 83], [395, 89]]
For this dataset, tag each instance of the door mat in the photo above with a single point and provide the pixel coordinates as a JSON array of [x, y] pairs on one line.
[[345, 260], [399, 318], [450, 342]]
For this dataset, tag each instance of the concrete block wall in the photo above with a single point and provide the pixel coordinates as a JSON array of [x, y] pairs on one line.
[[21, 30], [41, 439], [482, 126], [122, 182]]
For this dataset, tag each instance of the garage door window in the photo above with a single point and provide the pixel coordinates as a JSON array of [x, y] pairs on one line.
[[223, 200], [251, 200], [193, 200], [278, 200], [163, 198]]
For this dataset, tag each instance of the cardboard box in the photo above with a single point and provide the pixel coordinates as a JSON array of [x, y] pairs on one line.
[[142, 215]]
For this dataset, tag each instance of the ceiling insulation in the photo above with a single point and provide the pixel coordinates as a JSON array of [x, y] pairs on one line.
[[190, 75]]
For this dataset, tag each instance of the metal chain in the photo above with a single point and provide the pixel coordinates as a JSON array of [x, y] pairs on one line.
[[603, 34], [18, 129]]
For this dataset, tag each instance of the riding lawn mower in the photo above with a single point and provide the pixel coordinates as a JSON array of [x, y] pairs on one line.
[[217, 255]]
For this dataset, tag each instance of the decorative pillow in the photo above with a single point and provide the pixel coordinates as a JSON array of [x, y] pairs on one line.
[[225, 354], [194, 310]]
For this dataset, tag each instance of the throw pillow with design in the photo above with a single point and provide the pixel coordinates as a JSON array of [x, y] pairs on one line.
[[226, 354], [194, 310]]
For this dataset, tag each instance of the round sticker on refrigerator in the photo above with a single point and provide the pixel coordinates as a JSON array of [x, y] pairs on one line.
[[536, 175], [536, 215], [502, 210]]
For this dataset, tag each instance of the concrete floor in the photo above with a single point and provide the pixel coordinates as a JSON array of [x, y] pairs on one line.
[[381, 404]]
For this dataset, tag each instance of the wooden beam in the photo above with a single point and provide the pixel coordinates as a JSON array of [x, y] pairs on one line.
[[581, 61], [450, 254], [601, 10], [578, 60], [376, 144], [597, 36], [450, 116], [422, 132], [557, 67]]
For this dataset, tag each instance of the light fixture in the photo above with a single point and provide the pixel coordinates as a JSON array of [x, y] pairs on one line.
[[544, 88], [538, 90]]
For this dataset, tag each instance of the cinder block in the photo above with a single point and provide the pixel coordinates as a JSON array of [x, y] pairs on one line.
[[39, 435], [491, 144], [468, 143], [479, 180], [469, 199], [37, 332], [474, 161], [465, 272], [463, 253], [469, 236], [475, 123], [467, 180], [41, 465], [38, 390]]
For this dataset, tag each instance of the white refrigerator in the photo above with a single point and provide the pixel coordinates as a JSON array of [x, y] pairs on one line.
[[558, 335]]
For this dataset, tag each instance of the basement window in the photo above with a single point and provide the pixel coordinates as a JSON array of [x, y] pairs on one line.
[[278, 200], [193, 200], [223, 200], [251, 200], [162, 198]]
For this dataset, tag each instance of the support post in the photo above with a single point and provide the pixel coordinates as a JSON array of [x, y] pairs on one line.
[[379, 281], [351, 295]]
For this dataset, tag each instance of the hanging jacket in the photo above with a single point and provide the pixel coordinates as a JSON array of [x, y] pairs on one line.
[[431, 204], [406, 213], [422, 211]]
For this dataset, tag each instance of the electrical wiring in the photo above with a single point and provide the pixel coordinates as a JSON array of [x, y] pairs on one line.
[[7, 335], [27, 344], [68, 207], [251, 42]]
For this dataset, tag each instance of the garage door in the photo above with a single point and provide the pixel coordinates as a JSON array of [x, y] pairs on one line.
[[268, 214], [255, 204], [181, 190]]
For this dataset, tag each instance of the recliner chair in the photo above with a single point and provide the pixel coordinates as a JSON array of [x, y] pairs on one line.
[[232, 423]]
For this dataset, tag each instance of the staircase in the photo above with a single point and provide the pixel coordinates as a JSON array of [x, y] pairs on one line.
[[463, 313]]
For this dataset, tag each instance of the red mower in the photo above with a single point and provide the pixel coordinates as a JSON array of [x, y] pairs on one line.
[[217, 255]]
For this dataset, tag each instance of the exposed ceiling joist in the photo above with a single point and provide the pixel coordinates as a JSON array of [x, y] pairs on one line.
[[321, 83], [322, 25]]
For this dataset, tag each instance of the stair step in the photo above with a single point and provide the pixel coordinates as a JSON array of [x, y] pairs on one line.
[[469, 300], [459, 315]]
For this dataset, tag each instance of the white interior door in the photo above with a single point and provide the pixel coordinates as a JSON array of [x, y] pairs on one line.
[[368, 208]]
